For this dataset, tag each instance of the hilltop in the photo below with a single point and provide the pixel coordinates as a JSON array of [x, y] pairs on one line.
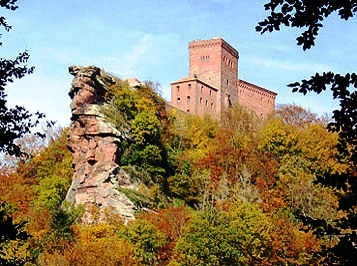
[[143, 184]]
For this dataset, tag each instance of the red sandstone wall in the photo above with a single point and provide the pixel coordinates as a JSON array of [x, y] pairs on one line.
[[255, 98], [205, 61], [229, 69], [216, 63], [194, 97]]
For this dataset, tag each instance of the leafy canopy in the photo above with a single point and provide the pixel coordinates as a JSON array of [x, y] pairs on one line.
[[311, 15], [16, 121]]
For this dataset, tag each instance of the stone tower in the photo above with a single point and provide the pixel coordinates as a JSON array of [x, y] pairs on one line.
[[213, 82], [216, 63]]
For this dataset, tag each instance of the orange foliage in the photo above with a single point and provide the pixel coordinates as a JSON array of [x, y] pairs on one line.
[[171, 222], [289, 243], [16, 191]]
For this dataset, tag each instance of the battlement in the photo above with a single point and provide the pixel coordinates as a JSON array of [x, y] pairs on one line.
[[214, 42]]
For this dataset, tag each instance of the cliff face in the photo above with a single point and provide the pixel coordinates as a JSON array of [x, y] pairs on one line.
[[95, 144]]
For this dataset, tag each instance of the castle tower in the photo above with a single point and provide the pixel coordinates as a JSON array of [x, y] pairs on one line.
[[213, 85], [215, 62]]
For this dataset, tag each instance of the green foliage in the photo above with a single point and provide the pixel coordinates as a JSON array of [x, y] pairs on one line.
[[53, 169], [145, 128], [146, 239], [141, 112], [51, 191], [122, 107], [237, 237], [186, 187]]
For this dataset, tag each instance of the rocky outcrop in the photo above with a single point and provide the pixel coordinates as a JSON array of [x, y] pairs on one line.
[[95, 144]]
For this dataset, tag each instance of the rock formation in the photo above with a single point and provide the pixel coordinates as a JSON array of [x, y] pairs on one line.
[[95, 144]]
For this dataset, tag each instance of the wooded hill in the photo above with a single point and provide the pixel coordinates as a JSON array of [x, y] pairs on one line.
[[235, 192]]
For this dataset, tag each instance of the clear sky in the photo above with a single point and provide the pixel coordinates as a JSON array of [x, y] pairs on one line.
[[149, 40]]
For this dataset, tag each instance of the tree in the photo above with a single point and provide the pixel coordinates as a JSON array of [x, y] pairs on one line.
[[311, 15], [10, 231], [146, 239], [242, 234], [17, 121]]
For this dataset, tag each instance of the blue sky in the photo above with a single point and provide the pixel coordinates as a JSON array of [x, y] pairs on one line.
[[149, 40]]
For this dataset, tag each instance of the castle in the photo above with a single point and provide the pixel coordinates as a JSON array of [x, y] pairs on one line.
[[213, 84]]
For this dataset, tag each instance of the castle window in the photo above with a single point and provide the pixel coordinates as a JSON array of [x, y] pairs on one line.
[[210, 92], [201, 100], [206, 103], [205, 58], [188, 99], [201, 88], [189, 86], [227, 81], [178, 99], [188, 110], [178, 88], [212, 106]]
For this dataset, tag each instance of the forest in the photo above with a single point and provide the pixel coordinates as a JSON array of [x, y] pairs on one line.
[[240, 191]]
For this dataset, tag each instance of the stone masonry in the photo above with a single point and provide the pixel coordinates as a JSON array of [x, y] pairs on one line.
[[213, 83]]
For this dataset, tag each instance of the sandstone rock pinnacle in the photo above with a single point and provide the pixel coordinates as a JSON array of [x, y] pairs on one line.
[[95, 144]]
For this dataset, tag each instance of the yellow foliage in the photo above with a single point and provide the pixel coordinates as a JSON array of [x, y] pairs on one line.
[[95, 245]]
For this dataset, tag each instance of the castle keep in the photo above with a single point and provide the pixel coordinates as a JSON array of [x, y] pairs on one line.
[[213, 83]]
